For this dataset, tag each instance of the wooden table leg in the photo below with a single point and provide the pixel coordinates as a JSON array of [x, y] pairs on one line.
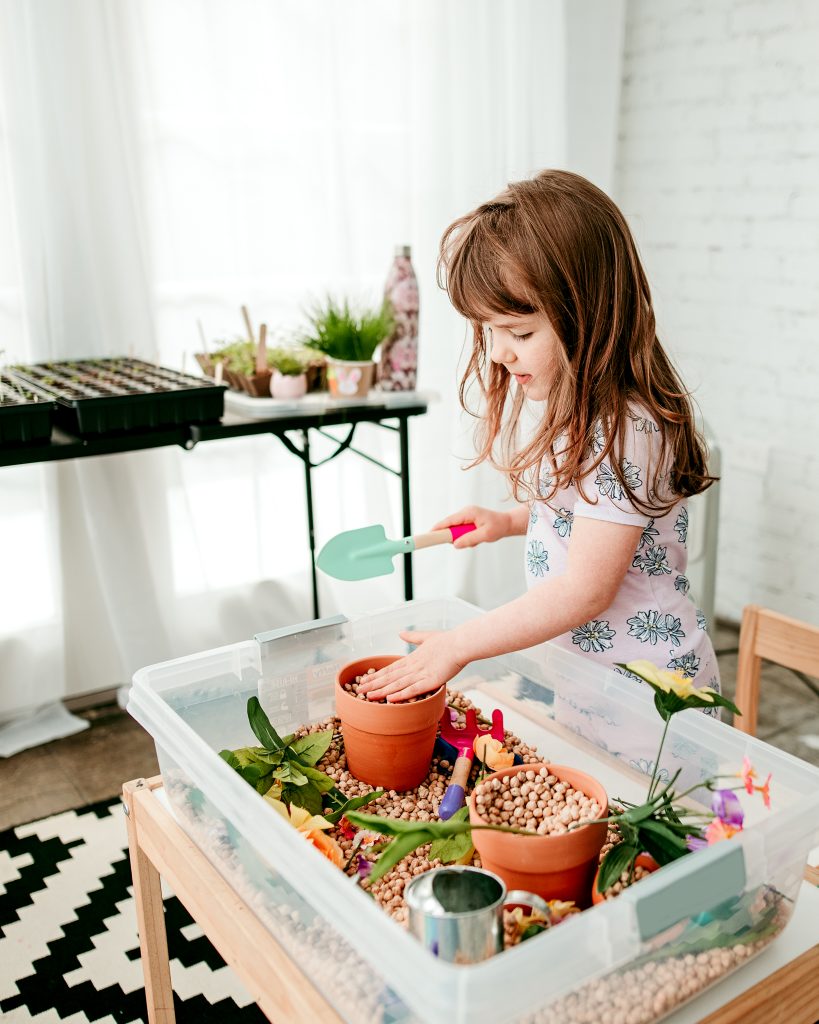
[[153, 939]]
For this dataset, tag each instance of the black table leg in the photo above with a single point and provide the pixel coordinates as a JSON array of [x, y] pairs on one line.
[[403, 436], [308, 490]]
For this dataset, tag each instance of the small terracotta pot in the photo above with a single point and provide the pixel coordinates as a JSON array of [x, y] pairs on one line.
[[388, 746], [642, 860], [288, 385], [556, 867], [348, 379]]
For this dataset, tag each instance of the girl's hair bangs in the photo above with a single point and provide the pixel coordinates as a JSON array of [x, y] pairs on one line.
[[479, 271]]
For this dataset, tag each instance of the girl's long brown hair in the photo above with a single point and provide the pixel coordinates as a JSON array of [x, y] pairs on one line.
[[556, 245]]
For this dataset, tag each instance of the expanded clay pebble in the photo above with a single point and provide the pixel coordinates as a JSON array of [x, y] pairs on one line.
[[352, 687], [535, 801]]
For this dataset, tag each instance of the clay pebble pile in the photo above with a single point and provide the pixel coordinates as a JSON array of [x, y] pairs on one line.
[[647, 993], [536, 801], [352, 687], [420, 804]]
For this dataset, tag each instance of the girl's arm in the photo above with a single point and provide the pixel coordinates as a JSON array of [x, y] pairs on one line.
[[600, 554]]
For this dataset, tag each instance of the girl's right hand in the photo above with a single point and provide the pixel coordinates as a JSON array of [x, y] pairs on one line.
[[489, 525]]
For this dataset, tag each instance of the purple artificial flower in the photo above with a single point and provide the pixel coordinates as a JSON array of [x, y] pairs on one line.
[[693, 843], [725, 805], [363, 867]]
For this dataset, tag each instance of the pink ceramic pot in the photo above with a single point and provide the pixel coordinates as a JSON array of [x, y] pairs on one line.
[[283, 385]]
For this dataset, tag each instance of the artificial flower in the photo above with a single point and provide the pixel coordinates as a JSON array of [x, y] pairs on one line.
[[670, 681], [492, 752], [726, 806], [560, 909], [312, 827], [346, 830], [765, 790], [718, 830], [748, 774], [363, 867]]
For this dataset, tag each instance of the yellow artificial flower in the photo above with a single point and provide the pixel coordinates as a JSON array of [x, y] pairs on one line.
[[492, 752], [312, 827], [670, 681]]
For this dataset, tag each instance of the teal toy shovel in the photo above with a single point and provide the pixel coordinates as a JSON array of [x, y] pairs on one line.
[[365, 553]]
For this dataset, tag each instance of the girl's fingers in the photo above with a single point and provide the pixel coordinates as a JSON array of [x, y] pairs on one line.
[[466, 515], [417, 636]]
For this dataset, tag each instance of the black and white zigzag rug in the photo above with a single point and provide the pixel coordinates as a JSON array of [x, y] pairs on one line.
[[69, 949]]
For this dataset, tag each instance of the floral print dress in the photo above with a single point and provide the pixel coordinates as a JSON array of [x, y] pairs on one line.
[[653, 615]]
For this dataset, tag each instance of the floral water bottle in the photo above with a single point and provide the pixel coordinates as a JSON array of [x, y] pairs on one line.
[[398, 365]]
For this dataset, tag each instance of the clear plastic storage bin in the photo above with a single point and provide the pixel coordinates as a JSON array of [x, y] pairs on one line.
[[634, 958]]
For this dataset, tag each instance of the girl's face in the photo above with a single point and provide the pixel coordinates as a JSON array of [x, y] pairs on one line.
[[528, 347]]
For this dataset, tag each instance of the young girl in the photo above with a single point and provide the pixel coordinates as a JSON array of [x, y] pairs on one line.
[[548, 275]]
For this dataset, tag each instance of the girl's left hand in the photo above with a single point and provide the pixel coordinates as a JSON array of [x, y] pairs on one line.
[[431, 665]]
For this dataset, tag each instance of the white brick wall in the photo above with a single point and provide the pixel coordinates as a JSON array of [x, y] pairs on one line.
[[718, 174]]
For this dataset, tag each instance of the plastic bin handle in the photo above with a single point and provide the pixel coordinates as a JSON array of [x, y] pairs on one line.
[[704, 881], [302, 627]]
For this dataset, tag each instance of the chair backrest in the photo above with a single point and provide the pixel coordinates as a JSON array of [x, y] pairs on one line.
[[777, 638]]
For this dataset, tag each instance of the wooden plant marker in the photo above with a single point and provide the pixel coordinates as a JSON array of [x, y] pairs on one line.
[[261, 350]]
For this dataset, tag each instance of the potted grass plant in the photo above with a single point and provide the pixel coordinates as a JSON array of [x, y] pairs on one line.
[[348, 338]]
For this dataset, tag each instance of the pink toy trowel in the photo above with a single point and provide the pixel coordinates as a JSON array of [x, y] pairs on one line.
[[463, 740]]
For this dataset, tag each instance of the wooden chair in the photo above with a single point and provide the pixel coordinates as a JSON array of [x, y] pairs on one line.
[[777, 638]]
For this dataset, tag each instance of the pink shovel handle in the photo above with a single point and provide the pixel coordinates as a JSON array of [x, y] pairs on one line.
[[461, 529]]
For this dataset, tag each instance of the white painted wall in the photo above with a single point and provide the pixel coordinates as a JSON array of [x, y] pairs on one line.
[[718, 174]]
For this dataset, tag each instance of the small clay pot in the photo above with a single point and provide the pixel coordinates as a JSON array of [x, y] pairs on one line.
[[388, 746], [642, 860], [556, 867], [288, 385]]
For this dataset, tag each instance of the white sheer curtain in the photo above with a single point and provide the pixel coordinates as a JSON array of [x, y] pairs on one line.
[[171, 161]]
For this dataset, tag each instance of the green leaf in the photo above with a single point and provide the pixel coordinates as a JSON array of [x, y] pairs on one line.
[[290, 772], [617, 860], [306, 796], [230, 757], [455, 847], [351, 805], [638, 814], [531, 931], [312, 748], [262, 729], [322, 782], [264, 785], [396, 850], [397, 826], [658, 840]]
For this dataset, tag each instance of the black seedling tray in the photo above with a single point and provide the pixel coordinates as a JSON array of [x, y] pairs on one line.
[[105, 396], [25, 412]]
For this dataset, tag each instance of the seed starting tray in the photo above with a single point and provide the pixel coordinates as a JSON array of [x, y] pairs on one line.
[[103, 396], [25, 412]]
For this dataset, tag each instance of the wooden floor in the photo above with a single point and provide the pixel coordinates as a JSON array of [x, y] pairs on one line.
[[93, 764]]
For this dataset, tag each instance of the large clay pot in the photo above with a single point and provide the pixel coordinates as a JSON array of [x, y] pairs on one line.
[[388, 746], [642, 860], [556, 867]]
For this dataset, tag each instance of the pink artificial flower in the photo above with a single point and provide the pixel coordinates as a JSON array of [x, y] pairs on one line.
[[748, 774], [765, 790], [719, 830]]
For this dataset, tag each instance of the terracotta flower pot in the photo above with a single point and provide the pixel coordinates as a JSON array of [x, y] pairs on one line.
[[388, 746], [642, 860], [556, 867]]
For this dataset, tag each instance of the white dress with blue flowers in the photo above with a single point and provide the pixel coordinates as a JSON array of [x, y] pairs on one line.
[[653, 615]]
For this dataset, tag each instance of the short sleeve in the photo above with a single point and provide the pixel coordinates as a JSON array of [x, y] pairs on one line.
[[605, 496]]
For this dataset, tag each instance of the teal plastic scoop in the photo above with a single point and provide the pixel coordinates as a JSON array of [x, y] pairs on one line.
[[367, 552]]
